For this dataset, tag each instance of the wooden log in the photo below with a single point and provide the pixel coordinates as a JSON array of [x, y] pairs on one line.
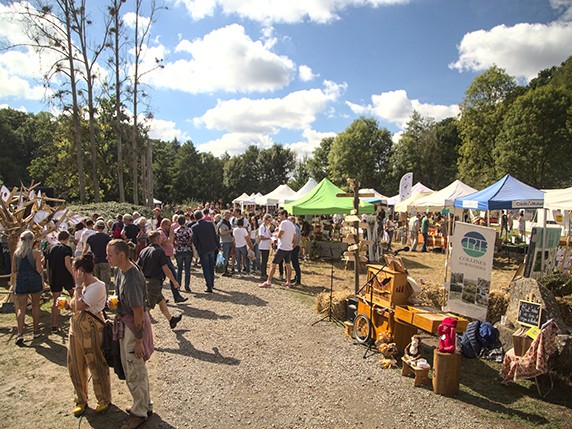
[[446, 372], [348, 329]]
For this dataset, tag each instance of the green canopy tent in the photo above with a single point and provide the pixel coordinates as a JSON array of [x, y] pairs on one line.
[[322, 200]]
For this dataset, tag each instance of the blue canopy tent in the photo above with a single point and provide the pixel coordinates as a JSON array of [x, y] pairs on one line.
[[507, 193]]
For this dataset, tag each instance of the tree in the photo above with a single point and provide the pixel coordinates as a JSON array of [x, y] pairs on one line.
[[446, 152], [241, 173], [276, 165], [300, 175], [318, 166], [361, 152], [486, 100], [535, 140]]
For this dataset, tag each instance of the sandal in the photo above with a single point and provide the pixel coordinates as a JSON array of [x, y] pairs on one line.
[[266, 284], [20, 340]]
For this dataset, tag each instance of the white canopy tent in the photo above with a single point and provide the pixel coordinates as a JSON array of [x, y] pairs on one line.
[[377, 197], [408, 203], [276, 197], [308, 186], [251, 201], [240, 199], [436, 201], [418, 187], [558, 199]]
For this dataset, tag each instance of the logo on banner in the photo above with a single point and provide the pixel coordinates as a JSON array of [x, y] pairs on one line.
[[474, 244]]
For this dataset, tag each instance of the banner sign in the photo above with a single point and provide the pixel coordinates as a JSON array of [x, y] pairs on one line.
[[405, 185], [533, 262], [471, 266]]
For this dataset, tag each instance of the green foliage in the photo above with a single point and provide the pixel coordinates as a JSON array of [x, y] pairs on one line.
[[109, 210], [482, 112], [535, 139], [558, 284], [318, 164], [300, 175], [361, 152]]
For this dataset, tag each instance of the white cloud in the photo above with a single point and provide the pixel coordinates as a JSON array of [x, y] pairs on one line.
[[306, 74], [522, 50], [396, 107], [313, 139], [130, 17], [280, 11], [224, 60], [235, 143], [564, 7], [14, 86], [20, 109], [165, 130], [297, 110]]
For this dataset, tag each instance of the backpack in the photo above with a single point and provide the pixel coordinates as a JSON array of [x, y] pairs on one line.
[[116, 230]]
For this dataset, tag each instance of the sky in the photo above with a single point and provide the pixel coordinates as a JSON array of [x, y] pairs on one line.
[[258, 72]]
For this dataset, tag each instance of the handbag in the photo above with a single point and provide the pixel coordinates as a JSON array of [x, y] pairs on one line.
[[220, 260], [109, 346]]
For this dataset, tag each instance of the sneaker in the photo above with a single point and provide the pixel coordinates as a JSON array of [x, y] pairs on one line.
[[188, 289], [266, 284], [174, 320], [79, 409], [181, 299], [226, 274], [207, 290], [102, 408], [133, 422], [20, 340], [37, 334], [55, 329], [288, 284]]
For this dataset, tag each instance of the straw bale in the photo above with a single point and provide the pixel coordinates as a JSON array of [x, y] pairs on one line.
[[339, 299], [498, 303]]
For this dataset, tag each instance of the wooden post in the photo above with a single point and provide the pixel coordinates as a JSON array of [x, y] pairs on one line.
[[446, 372]]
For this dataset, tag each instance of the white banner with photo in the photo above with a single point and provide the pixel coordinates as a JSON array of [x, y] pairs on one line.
[[471, 266]]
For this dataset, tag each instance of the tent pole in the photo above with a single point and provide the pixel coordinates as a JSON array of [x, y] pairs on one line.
[[542, 261]]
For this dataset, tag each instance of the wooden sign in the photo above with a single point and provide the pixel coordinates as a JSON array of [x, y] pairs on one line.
[[529, 313]]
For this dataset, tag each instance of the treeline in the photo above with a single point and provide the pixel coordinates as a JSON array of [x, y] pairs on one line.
[[503, 128]]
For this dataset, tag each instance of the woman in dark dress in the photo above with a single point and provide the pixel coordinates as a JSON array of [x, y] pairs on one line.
[[27, 264]]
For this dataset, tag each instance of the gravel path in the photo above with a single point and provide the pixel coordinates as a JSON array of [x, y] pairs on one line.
[[248, 357]]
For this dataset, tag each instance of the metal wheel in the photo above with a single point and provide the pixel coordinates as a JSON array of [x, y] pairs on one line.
[[362, 328]]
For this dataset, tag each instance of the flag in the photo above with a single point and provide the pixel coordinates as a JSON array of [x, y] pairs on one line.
[[405, 186], [5, 192]]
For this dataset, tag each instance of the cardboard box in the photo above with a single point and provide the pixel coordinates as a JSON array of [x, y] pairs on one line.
[[521, 342]]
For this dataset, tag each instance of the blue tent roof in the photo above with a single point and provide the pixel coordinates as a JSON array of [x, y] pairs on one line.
[[507, 193]]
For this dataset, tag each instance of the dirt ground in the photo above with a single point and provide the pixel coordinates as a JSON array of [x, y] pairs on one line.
[[239, 361]]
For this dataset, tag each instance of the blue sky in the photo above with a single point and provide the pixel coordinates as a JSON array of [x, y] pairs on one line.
[[241, 72]]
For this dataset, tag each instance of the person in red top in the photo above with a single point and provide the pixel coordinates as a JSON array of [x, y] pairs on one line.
[[158, 217], [167, 240]]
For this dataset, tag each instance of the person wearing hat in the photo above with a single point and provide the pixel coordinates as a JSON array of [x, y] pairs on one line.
[[97, 244]]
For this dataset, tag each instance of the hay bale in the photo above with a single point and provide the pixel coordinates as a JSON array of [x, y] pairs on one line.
[[498, 303], [431, 295], [339, 303]]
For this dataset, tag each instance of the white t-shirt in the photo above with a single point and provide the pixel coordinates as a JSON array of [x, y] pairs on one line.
[[263, 231], [285, 243], [77, 238], [85, 234], [240, 235], [95, 296]]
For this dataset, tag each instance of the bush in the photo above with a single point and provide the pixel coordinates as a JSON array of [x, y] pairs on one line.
[[558, 284], [109, 210]]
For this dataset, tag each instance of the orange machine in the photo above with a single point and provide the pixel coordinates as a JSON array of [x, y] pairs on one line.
[[383, 313]]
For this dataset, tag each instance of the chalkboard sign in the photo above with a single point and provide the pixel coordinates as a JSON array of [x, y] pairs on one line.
[[529, 313]]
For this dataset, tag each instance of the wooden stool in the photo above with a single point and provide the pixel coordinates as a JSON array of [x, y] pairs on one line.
[[446, 372], [421, 374]]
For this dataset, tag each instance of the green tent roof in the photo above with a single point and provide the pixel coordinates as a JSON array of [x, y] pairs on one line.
[[322, 200]]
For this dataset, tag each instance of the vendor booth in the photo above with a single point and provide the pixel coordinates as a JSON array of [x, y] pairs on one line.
[[303, 191], [323, 200], [276, 197]]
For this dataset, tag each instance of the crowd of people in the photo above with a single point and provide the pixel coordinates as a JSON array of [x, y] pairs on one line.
[[122, 265]]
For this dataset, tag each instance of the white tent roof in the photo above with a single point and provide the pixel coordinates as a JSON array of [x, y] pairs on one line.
[[277, 196], [310, 184], [404, 205], [376, 196], [558, 199], [445, 197], [242, 198], [251, 200], [418, 187]]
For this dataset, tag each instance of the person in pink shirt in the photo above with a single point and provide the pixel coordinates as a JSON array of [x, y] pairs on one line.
[[166, 241]]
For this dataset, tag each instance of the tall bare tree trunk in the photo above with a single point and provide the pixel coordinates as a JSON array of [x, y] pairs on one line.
[[144, 177], [75, 107], [150, 183]]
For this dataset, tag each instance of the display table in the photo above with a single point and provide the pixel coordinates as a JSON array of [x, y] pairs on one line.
[[433, 241], [421, 374]]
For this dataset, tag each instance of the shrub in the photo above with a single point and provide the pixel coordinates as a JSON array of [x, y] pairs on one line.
[[109, 210]]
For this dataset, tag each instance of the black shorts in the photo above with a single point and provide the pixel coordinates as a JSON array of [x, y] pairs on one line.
[[282, 255], [59, 286]]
